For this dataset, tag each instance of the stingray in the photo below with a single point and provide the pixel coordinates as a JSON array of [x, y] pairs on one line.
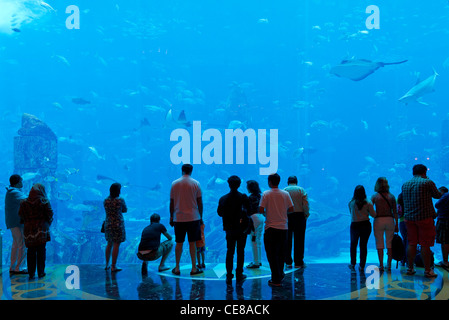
[[358, 69]]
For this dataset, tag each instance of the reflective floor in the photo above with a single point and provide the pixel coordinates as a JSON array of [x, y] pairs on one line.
[[315, 282]]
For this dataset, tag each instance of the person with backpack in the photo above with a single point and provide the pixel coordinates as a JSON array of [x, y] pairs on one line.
[[386, 220]]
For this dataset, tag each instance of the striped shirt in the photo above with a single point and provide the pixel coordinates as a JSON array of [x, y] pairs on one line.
[[418, 193]]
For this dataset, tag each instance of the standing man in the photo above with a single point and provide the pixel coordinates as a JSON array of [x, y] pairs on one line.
[[186, 211], [442, 226], [419, 214], [13, 198], [276, 204], [233, 208], [296, 223]]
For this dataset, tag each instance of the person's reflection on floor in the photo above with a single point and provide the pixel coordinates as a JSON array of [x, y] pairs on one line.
[[111, 285], [198, 290], [148, 289], [358, 286], [229, 292], [178, 292], [239, 291], [167, 292], [299, 288], [256, 289]]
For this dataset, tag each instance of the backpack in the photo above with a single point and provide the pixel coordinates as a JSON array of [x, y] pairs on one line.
[[397, 248]]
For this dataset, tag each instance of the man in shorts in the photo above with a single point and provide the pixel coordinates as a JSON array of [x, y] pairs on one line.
[[419, 214], [150, 246], [186, 212]]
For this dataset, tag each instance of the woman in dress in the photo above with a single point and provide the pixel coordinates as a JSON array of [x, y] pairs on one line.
[[114, 226], [36, 215]]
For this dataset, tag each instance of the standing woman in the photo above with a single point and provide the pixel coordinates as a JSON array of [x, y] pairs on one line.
[[360, 209], [36, 215], [386, 221], [258, 220], [114, 226]]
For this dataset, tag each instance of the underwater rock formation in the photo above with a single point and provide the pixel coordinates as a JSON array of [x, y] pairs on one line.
[[35, 148], [36, 156]]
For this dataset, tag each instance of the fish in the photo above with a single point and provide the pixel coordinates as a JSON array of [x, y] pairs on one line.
[[152, 108], [71, 171], [358, 69], [63, 60], [80, 101], [236, 124], [301, 151], [64, 196], [182, 120], [419, 89], [81, 207], [319, 124], [69, 187], [144, 123], [95, 152], [50, 179], [365, 124], [220, 181], [302, 104], [16, 29], [57, 105], [102, 178], [30, 176], [94, 191], [158, 186], [46, 6]]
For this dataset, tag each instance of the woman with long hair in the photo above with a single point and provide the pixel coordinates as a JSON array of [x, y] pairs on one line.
[[114, 226], [36, 215], [386, 221], [257, 221], [360, 209]]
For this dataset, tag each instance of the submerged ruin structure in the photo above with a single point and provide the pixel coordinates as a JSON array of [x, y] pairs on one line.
[[36, 156]]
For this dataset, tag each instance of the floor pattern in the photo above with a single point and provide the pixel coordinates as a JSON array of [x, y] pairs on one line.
[[315, 282]]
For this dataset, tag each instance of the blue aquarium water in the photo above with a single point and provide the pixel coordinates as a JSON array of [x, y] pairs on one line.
[[308, 81]]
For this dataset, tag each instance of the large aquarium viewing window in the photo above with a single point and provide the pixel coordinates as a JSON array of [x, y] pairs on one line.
[[337, 93]]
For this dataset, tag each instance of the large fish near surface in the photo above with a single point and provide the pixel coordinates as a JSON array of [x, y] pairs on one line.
[[419, 89], [358, 69]]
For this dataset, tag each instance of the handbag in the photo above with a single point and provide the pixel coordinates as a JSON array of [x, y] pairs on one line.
[[102, 227]]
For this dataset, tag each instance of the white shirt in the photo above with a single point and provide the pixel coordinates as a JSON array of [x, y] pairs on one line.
[[276, 203], [299, 198], [184, 192]]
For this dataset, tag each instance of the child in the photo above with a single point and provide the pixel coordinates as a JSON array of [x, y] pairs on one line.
[[201, 248]]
